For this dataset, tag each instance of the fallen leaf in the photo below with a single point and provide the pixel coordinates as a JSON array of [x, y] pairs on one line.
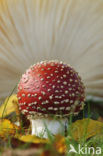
[[60, 144], [19, 152], [100, 119], [9, 106], [7, 128], [32, 139], [86, 128], [50, 153]]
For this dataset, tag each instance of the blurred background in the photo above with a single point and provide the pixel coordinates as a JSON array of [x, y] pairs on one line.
[[68, 30]]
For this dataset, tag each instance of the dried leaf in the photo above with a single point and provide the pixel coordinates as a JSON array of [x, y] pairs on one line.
[[60, 144], [9, 106], [32, 139], [86, 128], [19, 152], [7, 128], [100, 119], [50, 153]]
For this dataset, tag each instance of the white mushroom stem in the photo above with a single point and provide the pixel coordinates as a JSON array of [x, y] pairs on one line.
[[40, 127]]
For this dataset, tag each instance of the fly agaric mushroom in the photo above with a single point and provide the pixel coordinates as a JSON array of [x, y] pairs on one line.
[[47, 90], [67, 30]]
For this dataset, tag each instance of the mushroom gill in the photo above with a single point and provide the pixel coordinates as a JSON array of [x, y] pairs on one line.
[[67, 30]]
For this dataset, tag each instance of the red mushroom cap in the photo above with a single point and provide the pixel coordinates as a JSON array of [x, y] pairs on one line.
[[48, 88]]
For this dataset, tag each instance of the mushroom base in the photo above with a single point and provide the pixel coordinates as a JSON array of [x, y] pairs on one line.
[[41, 127]]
